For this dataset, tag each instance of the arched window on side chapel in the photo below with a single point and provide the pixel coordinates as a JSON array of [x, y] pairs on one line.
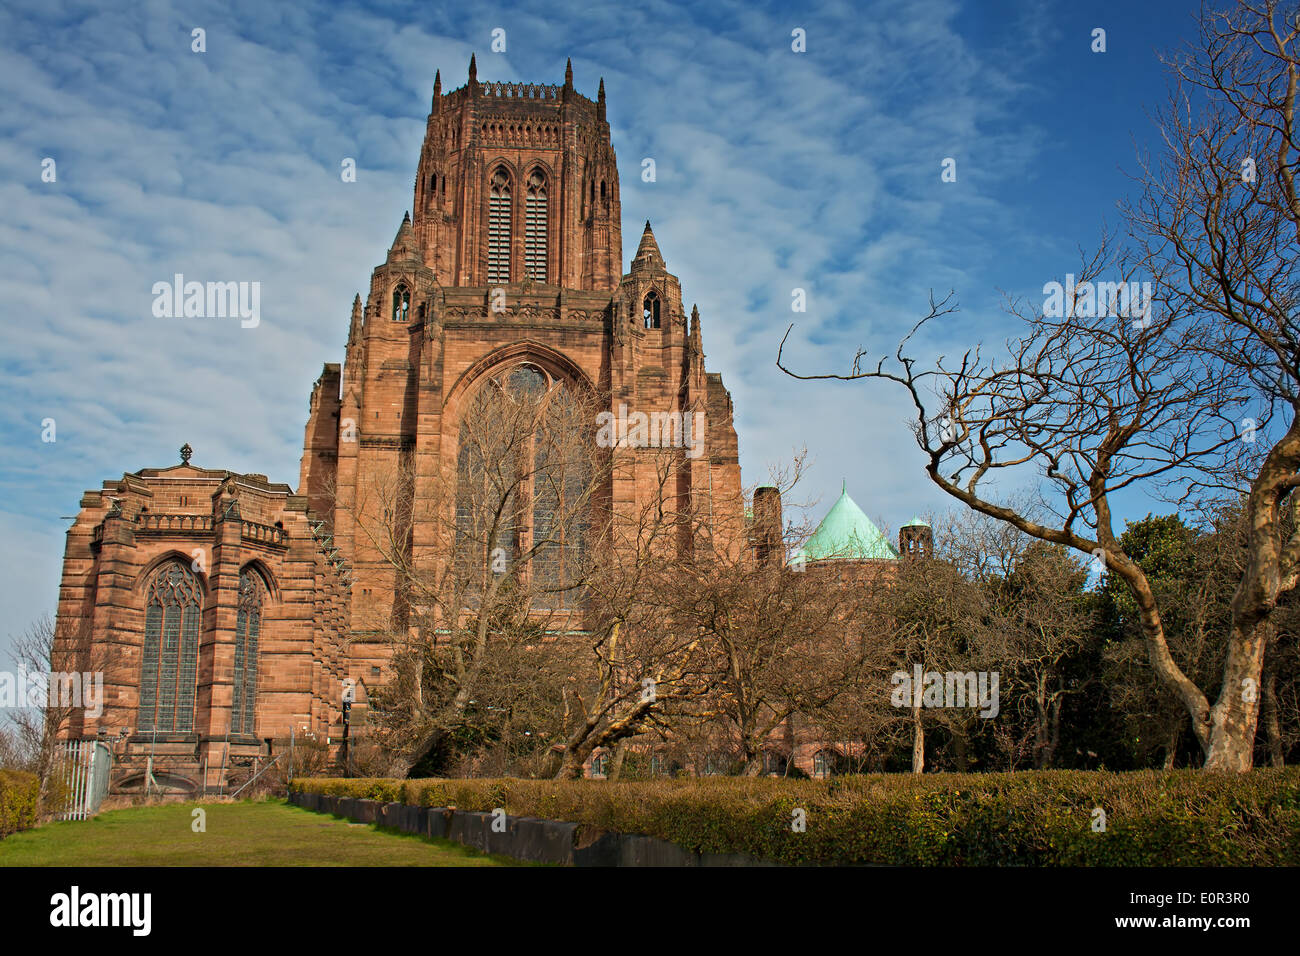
[[248, 628], [169, 666]]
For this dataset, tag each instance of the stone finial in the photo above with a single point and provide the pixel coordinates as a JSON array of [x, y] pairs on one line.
[[568, 73], [473, 70], [437, 84], [186, 452], [600, 101]]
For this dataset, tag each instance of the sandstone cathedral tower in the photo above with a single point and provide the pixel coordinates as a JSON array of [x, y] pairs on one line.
[[226, 611]]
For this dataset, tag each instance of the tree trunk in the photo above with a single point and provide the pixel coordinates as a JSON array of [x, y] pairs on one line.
[[1171, 747], [1041, 755], [1272, 726], [1235, 716], [570, 766], [616, 765], [918, 741], [961, 750], [1054, 742]]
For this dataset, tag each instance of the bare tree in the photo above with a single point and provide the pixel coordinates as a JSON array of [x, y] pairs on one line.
[[1043, 618], [13, 754], [60, 674], [644, 666], [514, 517], [786, 641], [1098, 396], [939, 622]]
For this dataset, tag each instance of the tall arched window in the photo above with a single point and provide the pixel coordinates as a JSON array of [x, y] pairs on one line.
[[168, 671], [535, 226], [248, 627], [401, 303], [523, 471], [499, 227], [650, 310]]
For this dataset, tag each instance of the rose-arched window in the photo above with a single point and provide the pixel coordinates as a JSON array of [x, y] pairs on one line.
[[248, 628], [169, 667]]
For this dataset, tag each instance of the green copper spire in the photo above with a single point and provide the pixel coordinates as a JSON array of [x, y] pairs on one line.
[[848, 534]]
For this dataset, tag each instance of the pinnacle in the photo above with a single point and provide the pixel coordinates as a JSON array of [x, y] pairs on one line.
[[647, 253], [354, 326], [404, 240]]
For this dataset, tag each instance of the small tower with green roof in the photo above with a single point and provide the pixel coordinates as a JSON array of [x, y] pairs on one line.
[[916, 540]]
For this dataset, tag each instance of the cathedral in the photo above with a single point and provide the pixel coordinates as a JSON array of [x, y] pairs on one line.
[[228, 612]]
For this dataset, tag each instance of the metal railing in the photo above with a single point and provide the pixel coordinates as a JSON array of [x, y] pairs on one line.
[[83, 769], [253, 779]]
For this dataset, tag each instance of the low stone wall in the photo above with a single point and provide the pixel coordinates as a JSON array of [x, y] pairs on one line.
[[524, 838]]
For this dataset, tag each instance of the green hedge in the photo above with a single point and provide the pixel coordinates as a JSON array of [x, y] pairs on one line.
[[18, 795], [1153, 818]]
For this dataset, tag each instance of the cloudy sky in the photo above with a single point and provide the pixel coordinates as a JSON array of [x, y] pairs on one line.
[[776, 170]]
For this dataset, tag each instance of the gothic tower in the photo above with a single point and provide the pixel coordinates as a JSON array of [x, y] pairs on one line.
[[512, 255], [515, 180], [226, 610]]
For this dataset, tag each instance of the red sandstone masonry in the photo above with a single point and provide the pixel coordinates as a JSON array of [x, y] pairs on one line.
[[396, 398]]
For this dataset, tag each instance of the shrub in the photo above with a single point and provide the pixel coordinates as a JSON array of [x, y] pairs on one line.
[[1152, 818], [19, 792]]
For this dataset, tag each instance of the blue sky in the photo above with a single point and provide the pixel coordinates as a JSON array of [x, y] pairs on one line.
[[775, 170]]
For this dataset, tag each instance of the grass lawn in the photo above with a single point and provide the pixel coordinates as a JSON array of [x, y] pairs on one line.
[[251, 833]]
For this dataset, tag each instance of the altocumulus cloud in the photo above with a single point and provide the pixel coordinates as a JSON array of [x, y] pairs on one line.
[[775, 170]]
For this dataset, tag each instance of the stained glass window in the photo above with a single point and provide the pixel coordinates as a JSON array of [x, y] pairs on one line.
[[169, 670], [248, 626]]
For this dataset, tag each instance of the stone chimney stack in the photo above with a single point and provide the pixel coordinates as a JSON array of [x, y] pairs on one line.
[[768, 526]]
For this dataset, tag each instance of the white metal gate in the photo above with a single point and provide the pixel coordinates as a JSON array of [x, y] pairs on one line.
[[83, 771]]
